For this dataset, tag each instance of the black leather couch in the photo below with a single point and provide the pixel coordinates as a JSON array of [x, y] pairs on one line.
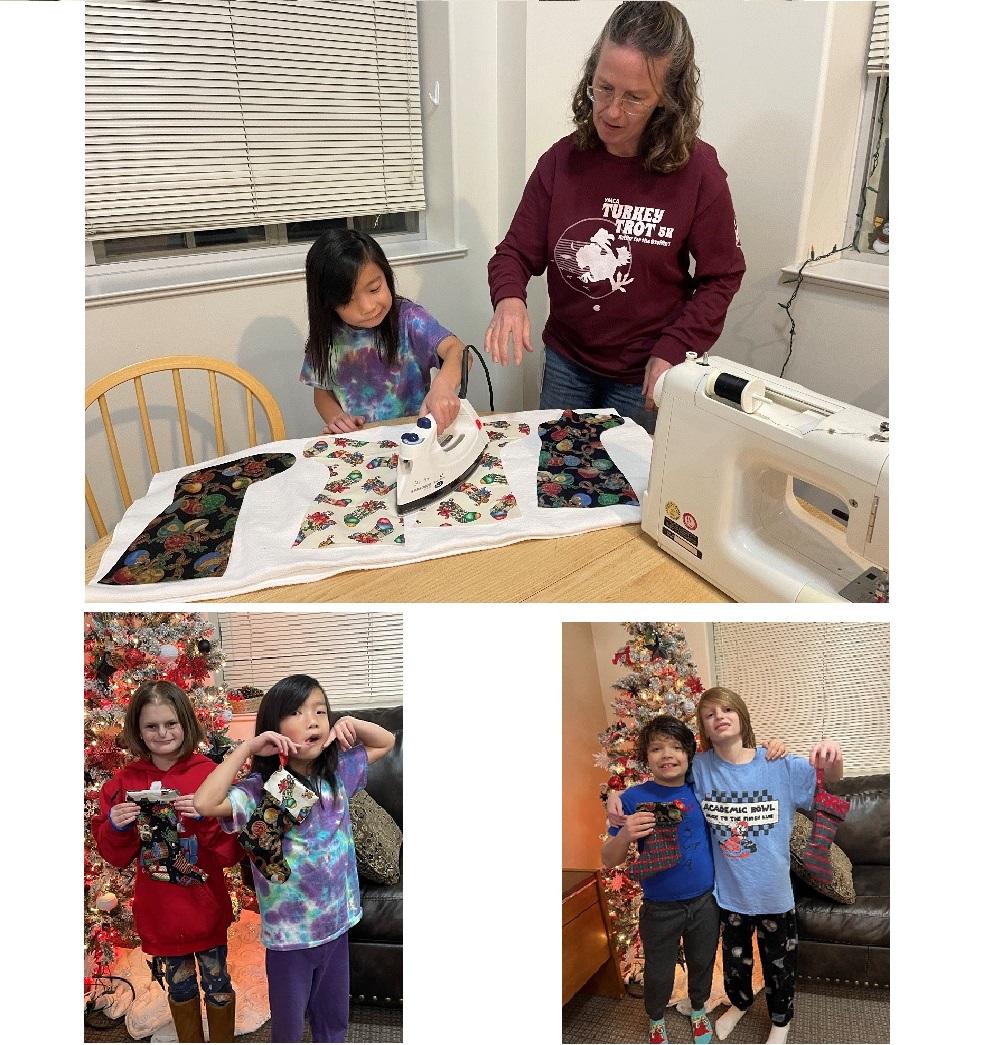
[[851, 942], [376, 942]]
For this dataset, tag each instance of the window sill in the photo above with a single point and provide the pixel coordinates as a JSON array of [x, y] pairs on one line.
[[165, 277], [858, 277]]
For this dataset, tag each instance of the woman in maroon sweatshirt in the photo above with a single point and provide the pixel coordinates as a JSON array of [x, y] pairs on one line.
[[181, 906], [632, 219]]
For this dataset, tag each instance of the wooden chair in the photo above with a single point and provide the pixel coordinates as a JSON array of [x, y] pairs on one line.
[[252, 388]]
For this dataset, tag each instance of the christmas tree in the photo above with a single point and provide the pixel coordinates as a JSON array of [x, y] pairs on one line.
[[662, 680], [121, 651]]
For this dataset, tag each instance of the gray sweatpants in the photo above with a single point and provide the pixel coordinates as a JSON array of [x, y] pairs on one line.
[[662, 925]]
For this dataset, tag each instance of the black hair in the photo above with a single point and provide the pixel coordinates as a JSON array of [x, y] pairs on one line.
[[281, 700], [668, 726], [332, 268]]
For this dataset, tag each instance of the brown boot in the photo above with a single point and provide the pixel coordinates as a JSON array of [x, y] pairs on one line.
[[188, 1019], [222, 1019]]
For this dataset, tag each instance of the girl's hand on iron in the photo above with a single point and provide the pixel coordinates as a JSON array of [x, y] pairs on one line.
[[826, 755], [185, 806], [272, 743], [343, 423], [443, 406], [639, 825], [775, 749], [510, 322], [655, 367], [614, 809], [344, 731], [123, 814]]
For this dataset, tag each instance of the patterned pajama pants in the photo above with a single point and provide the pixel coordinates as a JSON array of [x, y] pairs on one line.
[[777, 942]]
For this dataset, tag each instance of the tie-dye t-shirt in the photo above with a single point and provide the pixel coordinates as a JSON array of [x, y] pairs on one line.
[[320, 900], [361, 380]]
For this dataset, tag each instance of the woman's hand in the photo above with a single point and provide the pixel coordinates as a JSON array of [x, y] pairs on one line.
[[272, 743], [639, 825], [344, 731], [442, 404], [614, 809], [775, 749], [343, 422], [510, 321], [123, 814], [655, 367]]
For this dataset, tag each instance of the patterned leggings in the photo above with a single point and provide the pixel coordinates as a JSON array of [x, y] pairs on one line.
[[179, 971], [777, 942]]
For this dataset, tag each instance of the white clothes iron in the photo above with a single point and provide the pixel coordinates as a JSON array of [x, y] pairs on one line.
[[729, 444], [430, 464]]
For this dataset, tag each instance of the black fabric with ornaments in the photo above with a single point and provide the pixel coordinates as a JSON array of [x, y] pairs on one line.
[[777, 942]]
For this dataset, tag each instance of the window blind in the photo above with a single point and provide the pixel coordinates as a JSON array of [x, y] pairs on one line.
[[810, 682], [357, 657], [228, 113], [878, 60]]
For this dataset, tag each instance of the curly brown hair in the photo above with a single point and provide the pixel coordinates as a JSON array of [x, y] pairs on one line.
[[657, 30]]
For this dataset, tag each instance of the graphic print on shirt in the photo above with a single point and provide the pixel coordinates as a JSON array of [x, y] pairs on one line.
[[737, 818], [594, 255], [484, 495], [193, 536], [574, 469], [358, 505]]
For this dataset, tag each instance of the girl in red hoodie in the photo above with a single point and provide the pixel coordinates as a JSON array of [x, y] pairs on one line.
[[181, 906]]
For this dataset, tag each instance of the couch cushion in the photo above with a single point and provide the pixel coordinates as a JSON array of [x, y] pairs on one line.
[[377, 839], [841, 886], [864, 923], [864, 836], [383, 913], [385, 778]]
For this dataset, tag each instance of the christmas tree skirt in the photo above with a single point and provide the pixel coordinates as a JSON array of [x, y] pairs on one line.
[[146, 1010], [334, 510]]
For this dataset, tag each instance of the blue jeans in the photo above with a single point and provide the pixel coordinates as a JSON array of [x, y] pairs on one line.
[[179, 972], [568, 386]]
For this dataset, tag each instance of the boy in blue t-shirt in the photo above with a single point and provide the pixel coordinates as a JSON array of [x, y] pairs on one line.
[[674, 867]]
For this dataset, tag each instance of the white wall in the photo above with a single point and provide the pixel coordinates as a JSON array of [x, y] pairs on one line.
[[512, 66]]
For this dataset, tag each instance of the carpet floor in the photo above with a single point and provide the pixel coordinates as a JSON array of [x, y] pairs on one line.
[[366, 1023], [824, 1012]]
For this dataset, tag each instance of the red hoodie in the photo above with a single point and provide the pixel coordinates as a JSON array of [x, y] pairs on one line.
[[171, 919], [616, 242]]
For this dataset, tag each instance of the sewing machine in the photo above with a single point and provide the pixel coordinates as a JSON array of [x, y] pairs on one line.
[[729, 444]]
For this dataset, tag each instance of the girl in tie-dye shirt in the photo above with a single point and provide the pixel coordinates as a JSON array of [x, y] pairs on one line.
[[370, 352], [299, 836]]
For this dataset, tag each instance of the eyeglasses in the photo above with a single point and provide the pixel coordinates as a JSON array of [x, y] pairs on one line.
[[603, 97]]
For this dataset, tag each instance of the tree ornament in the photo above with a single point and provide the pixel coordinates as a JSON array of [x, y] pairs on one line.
[[204, 645]]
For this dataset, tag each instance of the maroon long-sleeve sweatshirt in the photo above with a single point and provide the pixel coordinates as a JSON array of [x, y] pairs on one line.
[[616, 242]]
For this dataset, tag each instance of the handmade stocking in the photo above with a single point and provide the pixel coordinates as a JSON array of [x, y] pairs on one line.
[[659, 850], [285, 801], [830, 811], [193, 536], [161, 852]]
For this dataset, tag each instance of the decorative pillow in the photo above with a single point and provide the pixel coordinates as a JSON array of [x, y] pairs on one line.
[[841, 887], [377, 839]]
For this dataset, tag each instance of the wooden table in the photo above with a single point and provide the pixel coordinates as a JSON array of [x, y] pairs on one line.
[[588, 956], [619, 564]]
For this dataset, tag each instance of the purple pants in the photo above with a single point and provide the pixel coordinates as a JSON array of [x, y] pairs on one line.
[[313, 981]]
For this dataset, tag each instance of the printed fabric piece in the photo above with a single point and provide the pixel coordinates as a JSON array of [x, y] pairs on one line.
[[162, 854], [193, 536], [359, 502], [484, 495], [574, 470]]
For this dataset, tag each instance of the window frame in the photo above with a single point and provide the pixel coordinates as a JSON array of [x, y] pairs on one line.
[[867, 127]]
